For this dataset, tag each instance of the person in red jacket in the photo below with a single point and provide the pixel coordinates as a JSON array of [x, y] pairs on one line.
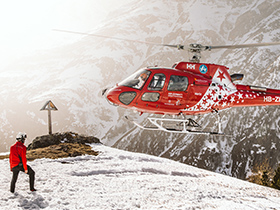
[[18, 162]]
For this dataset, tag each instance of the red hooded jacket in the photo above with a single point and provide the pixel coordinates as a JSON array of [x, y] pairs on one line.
[[18, 154]]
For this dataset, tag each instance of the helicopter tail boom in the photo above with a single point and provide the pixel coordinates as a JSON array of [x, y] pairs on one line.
[[247, 95]]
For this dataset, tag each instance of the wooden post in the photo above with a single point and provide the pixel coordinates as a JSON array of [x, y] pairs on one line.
[[49, 106], [50, 121]]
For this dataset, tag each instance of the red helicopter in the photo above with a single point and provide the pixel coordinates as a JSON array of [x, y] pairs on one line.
[[188, 88]]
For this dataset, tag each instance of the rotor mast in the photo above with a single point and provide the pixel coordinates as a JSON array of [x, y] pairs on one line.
[[195, 49]]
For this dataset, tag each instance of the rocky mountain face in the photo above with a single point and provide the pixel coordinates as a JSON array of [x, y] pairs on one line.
[[74, 76]]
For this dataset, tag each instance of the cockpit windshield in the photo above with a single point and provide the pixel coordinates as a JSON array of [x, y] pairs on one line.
[[136, 80]]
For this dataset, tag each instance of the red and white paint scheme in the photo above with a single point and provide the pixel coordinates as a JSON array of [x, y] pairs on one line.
[[189, 89]]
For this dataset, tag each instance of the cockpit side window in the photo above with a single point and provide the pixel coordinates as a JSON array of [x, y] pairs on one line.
[[157, 82], [137, 80], [178, 83]]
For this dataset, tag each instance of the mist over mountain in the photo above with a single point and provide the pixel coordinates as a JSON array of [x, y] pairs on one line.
[[73, 77]]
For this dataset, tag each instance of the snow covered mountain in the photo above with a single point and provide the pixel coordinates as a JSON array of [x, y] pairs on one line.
[[253, 133], [73, 77], [116, 179]]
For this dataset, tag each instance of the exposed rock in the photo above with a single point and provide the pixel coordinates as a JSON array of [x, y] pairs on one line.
[[61, 150], [57, 138], [59, 145]]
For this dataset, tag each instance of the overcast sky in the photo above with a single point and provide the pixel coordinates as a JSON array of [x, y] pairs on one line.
[[27, 25]]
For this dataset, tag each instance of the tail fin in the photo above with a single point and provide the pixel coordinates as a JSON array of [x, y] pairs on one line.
[[222, 77]]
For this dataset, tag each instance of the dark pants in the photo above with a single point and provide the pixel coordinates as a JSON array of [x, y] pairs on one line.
[[16, 170]]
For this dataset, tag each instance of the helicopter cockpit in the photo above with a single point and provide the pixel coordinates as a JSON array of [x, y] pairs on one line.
[[136, 80]]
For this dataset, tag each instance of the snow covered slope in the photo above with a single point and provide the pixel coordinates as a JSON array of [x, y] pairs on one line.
[[116, 179]]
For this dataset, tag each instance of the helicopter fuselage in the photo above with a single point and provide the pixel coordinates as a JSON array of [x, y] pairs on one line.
[[188, 88]]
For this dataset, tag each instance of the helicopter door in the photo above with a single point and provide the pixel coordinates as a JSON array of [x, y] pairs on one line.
[[176, 94], [152, 96]]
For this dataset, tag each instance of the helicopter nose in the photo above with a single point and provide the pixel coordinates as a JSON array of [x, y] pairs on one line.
[[120, 96], [112, 97]]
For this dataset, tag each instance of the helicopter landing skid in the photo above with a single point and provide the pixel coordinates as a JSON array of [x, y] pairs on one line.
[[178, 126]]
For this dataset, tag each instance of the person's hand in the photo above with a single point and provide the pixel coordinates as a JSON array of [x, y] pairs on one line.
[[26, 171]]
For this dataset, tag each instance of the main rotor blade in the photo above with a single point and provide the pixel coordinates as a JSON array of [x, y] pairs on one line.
[[115, 38], [243, 45], [191, 47]]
